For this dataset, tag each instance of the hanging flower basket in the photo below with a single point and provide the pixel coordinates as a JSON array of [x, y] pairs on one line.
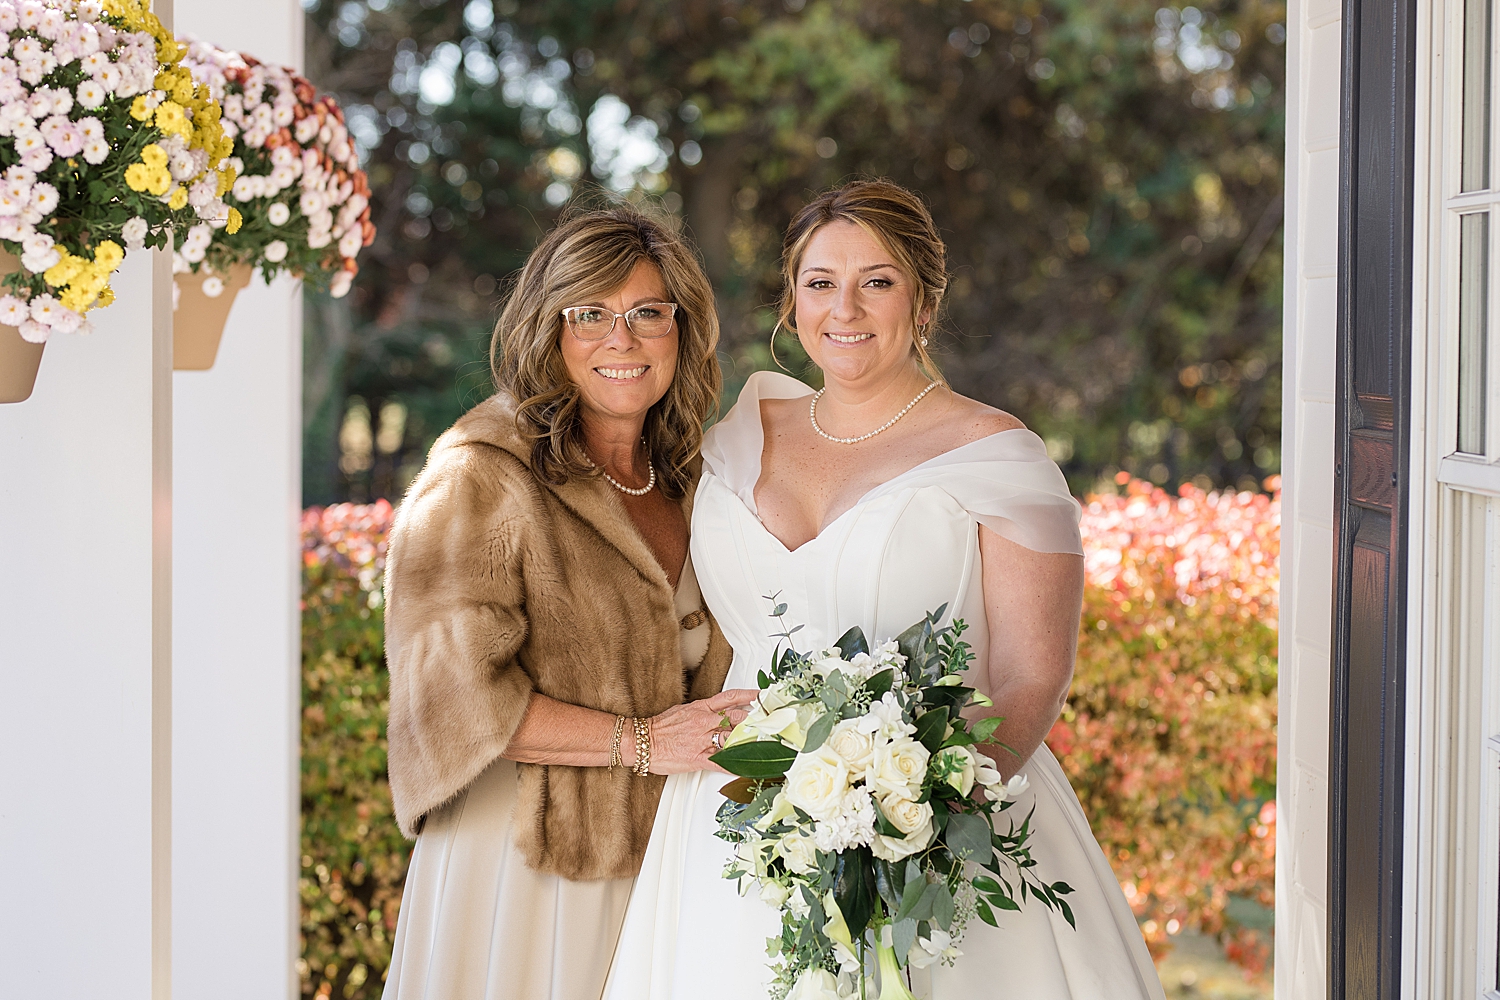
[[19, 357], [201, 310], [106, 140], [303, 197]]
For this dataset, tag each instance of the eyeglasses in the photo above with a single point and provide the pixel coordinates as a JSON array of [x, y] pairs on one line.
[[648, 321]]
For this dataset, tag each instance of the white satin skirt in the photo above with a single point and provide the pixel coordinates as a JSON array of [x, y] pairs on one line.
[[477, 924]]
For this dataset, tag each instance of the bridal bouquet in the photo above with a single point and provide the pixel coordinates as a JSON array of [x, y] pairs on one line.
[[863, 812], [104, 140], [305, 199]]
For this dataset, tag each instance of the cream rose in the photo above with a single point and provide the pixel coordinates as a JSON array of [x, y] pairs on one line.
[[817, 782], [799, 852], [815, 984], [773, 894], [898, 766], [913, 819], [852, 743]]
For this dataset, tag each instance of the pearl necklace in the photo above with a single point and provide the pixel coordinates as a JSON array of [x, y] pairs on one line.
[[650, 482], [812, 414]]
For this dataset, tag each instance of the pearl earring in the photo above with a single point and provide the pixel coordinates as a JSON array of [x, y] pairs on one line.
[[924, 341]]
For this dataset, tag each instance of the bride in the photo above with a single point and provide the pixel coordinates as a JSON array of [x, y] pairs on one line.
[[869, 503]]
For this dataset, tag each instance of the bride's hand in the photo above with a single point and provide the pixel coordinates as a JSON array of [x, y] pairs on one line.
[[682, 737]]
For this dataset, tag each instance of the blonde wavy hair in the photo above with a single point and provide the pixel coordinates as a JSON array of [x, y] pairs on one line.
[[586, 256], [900, 221]]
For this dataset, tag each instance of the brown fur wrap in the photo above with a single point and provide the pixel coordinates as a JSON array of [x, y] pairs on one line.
[[497, 586]]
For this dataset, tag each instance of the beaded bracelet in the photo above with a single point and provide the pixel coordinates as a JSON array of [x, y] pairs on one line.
[[642, 747], [615, 760]]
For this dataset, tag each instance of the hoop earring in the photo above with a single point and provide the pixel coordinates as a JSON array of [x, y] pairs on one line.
[[774, 358]]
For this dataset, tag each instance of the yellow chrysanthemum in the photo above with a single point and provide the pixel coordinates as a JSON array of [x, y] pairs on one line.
[[161, 181], [138, 176], [65, 270], [140, 108], [107, 296], [154, 156], [108, 254], [178, 199], [75, 298], [235, 221], [169, 118]]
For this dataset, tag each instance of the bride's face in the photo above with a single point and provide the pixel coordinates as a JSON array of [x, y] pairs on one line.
[[853, 305]]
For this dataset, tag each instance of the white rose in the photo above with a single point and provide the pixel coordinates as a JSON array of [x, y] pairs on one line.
[[906, 815], [817, 782], [774, 894], [852, 743], [960, 764], [826, 661], [799, 852], [898, 766], [815, 984]]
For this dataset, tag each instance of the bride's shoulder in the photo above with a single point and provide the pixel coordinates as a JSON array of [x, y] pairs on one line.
[[969, 419]]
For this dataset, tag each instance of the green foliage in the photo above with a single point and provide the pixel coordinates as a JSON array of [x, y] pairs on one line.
[[1107, 178]]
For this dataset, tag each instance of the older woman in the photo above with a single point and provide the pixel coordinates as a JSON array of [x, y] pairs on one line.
[[544, 625]]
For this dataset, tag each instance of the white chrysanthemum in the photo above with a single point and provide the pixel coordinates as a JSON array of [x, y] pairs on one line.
[[341, 284], [45, 309], [44, 198], [278, 214], [96, 151], [350, 243], [275, 251], [213, 286], [192, 254], [34, 332], [134, 233], [13, 311]]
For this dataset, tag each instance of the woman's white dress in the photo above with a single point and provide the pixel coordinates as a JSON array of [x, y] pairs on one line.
[[903, 549], [477, 924]]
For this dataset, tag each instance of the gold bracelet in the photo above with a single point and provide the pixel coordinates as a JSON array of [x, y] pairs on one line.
[[642, 747], [615, 760]]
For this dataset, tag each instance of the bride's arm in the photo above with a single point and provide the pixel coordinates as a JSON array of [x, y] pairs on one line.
[[1033, 601], [555, 732]]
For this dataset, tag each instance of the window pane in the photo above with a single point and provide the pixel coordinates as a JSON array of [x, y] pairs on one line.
[[1473, 323], [1476, 158]]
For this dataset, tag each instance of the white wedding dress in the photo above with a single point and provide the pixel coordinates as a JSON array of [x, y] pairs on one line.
[[905, 548]]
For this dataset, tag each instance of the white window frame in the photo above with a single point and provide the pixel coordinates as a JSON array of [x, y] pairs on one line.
[[1451, 926]]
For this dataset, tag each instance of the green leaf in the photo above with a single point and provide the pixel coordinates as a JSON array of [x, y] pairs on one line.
[[968, 836], [880, 684], [852, 643], [1067, 912], [889, 881], [986, 884], [1005, 902], [761, 759], [883, 825], [818, 732], [985, 914], [903, 936], [778, 611], [942, 907], [985, 728], [931, 728], [854, 889]]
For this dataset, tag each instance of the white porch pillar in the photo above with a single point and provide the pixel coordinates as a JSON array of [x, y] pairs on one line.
[[85, 657], [1310, 334], [238, 482]]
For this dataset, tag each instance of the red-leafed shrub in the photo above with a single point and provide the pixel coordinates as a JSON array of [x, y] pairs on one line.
[[353, 858], [1169, 736]]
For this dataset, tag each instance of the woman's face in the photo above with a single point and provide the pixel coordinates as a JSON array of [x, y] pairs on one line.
[[623, 376], [853, 305]]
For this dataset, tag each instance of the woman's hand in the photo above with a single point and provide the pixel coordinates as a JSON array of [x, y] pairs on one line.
[[682, 737]]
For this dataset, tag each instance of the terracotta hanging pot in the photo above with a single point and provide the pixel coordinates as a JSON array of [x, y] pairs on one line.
[[19, 359], [198, 323]]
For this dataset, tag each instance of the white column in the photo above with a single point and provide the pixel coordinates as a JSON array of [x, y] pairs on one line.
[[238, 481], [1307, 450], [85, 657]]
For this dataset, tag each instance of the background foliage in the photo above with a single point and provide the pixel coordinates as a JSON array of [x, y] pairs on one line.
[[1107, 176], [1169, 735]]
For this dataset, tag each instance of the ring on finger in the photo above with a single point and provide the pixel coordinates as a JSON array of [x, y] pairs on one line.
[[717, 739]]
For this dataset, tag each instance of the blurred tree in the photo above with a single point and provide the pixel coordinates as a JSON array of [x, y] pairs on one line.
[[1107, 176]]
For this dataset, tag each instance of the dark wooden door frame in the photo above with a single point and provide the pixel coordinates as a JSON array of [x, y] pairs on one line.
[[1368, 691]]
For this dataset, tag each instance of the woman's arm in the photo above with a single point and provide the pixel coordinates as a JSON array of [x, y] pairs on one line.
[[1033, 601], [555, 732]]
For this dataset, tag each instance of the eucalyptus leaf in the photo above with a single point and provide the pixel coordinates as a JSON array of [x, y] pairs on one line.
[[942, 906], [968, 836], [903, 936], [818, 732]]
